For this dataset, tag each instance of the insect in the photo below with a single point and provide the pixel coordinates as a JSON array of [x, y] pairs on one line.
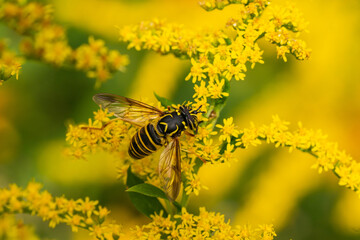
[[157, 128]]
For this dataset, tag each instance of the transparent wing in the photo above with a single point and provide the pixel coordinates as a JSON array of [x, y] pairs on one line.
[[170, 169], [127, 109]]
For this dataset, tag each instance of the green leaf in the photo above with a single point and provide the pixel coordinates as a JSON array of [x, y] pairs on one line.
[[164, 102], [145, 204], [132, 179], [177, 205], [148, 190], [152, 191]]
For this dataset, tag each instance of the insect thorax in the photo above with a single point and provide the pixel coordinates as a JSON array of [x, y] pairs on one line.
[[171, 124]]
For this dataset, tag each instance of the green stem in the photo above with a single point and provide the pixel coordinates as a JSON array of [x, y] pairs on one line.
[[169, 208], [184, 199]]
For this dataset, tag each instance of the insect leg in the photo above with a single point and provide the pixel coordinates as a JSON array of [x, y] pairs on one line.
[[189, 134], [102, 127], [197, 155]]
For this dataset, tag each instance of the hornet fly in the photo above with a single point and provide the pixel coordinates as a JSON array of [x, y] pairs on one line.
[[157, 128]]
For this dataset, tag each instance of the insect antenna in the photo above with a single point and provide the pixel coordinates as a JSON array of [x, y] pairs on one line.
[[197, 110]]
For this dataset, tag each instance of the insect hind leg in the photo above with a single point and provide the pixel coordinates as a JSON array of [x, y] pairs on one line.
[[197, 155], [100, 128]]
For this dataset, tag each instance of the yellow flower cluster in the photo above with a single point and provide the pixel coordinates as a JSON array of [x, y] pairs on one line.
[[193, 184], [89, 137], [77, 214], [114, 136], [10, 228], [214, 151], [287, 24], [328, 156], [47, 41], [206, 225], [10, 64], [221, 55], [211, 56], [210, 5], [88, 215], [277, 25], [25, 17], [227, 130]]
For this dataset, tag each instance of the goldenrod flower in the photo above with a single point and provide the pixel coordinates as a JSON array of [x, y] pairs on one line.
[[10, 64], [282, 51], [75, 213], [206, 225], [227, 130], [235, 71], [197, 71], [46, 41], [102, 116], [216, 89], [205, 132], [11, 228], [201, 91], [328, 156], [194, 185], [213, 72], [228, 155], [209, 150]]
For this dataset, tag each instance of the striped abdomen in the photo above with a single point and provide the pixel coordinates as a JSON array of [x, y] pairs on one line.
[[144, 142]]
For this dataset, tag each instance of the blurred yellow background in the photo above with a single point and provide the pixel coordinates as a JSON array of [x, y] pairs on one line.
[[266, 185]]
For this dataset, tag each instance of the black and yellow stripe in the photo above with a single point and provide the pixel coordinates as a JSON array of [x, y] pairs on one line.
[[144, 142]]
